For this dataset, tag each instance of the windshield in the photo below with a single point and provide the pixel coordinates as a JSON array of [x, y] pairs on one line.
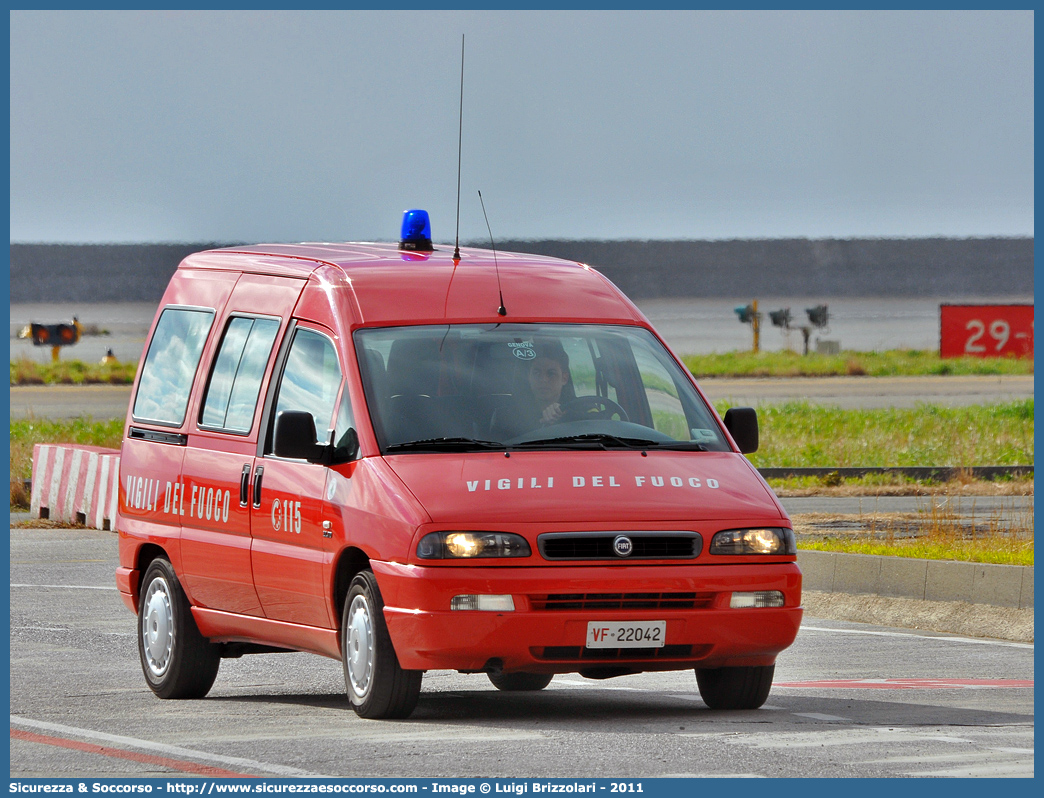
[[469, 387]]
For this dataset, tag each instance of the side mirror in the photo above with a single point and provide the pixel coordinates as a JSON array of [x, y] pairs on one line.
[[742, 424], [295, 437]]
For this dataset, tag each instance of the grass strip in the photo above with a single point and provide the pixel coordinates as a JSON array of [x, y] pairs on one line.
[[999, 551], [804, 435], [71, 372], [886, 363], [795, 434], [25, 433]]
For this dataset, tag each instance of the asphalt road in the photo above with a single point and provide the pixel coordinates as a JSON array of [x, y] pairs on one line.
[[984, 512], [80, 708], [110, 401], [872, 392]]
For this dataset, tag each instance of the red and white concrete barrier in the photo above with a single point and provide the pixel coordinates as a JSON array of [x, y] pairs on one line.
[[76, 484]]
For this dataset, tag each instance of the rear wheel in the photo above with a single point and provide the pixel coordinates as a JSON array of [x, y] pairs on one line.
[[735, 688], [377, 686], [177, 660], [520, 682]]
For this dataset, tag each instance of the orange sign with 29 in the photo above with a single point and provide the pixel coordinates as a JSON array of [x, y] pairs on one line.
[[986, 330]]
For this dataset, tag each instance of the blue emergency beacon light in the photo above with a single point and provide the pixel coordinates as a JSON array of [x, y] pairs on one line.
[[416, 232]]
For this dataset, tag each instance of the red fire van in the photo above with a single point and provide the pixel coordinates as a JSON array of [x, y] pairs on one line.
[[409, 458]]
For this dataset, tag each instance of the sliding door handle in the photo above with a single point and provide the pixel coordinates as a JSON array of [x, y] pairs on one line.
[[258, 473], [244, 486]]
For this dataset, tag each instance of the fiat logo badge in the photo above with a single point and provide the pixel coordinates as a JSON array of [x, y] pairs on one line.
[[623, 546]]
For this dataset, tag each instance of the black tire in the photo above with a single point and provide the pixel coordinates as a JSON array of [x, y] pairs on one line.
[[178, 662], [377, 687], [520, 682], [735, 688]]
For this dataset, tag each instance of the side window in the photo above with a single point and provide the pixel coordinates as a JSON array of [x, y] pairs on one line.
[[235, 380], [584, 363], [667, 412], [310, 379], [170, 365], [345, 422], [581, 366]]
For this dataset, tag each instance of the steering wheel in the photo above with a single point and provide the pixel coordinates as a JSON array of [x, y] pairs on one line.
[[587, 407]]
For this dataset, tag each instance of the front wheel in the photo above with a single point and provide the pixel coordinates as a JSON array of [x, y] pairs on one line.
[[377, 686], [177, 660], [735, 688], [520, 682]]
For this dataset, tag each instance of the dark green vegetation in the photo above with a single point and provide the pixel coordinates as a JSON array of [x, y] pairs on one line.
[[71, 372], [26, 433]]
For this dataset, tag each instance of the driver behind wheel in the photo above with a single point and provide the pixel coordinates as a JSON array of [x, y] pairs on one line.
[[548, 376]]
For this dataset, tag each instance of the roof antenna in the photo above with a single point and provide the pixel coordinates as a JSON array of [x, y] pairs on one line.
[[501, 310], [460, 130]]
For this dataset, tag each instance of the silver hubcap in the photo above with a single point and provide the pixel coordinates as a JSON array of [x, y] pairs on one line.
[[157, 627], [359, 662]]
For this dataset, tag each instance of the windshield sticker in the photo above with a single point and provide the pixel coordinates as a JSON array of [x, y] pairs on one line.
[[523, 350], [703, 435]]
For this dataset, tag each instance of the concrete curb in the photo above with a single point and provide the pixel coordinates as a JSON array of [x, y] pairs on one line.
[[75, 484], [951, 617], [925, 580]]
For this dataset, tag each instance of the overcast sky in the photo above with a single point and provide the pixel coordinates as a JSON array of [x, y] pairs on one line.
[[197, 126]]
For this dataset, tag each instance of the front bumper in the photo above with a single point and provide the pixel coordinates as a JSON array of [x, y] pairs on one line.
[[709, 634]]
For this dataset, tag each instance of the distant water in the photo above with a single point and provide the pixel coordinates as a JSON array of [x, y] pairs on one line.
[[926, 267], [690, 326]]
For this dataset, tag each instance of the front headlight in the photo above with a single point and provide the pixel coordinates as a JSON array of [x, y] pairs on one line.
[[468, 545], [762, 540]]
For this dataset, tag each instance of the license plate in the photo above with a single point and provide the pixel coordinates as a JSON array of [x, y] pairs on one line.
[[626, 634]]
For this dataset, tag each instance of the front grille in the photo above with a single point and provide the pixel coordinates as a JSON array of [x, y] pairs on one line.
[[599, 545], [622, 601], [580, 654]]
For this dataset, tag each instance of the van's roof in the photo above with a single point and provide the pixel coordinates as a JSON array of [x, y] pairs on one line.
[[392, 285]]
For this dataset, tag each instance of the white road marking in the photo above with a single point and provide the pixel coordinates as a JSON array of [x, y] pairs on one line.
[[1006, 769], [712, 776], [72, 587], [380, 734], [984, 642], [819, 739], [965, 757], [820, 716], [172, 750], [1028, 751]]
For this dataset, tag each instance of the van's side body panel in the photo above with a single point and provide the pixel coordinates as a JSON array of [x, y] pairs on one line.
[[158, 522]]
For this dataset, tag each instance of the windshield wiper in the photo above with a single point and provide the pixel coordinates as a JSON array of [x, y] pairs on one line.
[[680, 446], [602, 440], [444, 445], [587, 441], [591, 440]]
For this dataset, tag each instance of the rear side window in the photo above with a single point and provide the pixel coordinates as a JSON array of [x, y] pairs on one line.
[[235, 380], [170, 365]]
